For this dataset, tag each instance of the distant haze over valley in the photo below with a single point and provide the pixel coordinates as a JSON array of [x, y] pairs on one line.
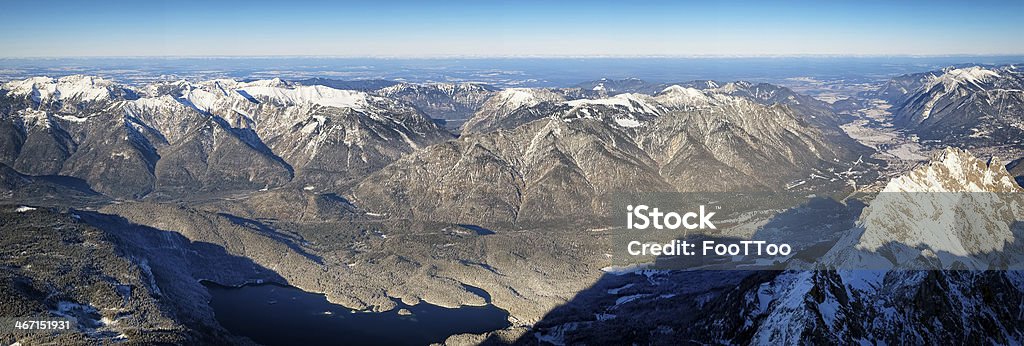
[[502, 72]]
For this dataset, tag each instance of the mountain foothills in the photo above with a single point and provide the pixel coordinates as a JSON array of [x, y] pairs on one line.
[[120, 200]]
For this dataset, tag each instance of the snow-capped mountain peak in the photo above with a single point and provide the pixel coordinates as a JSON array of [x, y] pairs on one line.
[[677, 96], [206, 95], [682, 90], [950, 80], [503, 105], [273, 82], [955, 170], [516, 98], [633, 103], [733, 86], [200, 99], [969, 76], [79, 88], [316, 94], [955, 207], [967, 106]]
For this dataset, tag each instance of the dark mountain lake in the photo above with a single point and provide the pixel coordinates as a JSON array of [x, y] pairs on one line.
[[282, 315]]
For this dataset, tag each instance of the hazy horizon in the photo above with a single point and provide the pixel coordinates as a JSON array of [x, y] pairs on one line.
[[487, 57], [503, 72], [462, 29]]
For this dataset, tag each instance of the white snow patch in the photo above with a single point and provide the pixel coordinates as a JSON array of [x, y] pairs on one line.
[[637, 103], [316, 94], [617, 290], [629, 269], [77, 87], [625, 122], [627, 299]]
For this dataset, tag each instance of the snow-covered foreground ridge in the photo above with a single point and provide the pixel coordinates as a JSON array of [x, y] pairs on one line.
[[889, 280], [957, 210]]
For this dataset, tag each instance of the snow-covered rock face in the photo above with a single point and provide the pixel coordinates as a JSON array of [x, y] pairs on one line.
[[319, 95], [633, 103], [511, 106], [884, 286], [450, 89], [969, 76], [511, 99], [68, 92], [208, 95], [516, 106], [734, 86], [956, 170], [453, 102], [635, 110], [953, 208], [85, 88], [677, 96], [638, 102], [622, 110]]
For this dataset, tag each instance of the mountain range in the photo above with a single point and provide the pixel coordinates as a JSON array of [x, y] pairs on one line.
[[581, 152], [969, 105], [179, 138], [121, 199]]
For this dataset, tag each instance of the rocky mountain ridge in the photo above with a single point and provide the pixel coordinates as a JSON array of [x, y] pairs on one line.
[[969, 105], [580, 152], [170, 138]]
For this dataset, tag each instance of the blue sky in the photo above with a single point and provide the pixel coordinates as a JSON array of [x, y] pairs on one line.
[[512, 28]]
